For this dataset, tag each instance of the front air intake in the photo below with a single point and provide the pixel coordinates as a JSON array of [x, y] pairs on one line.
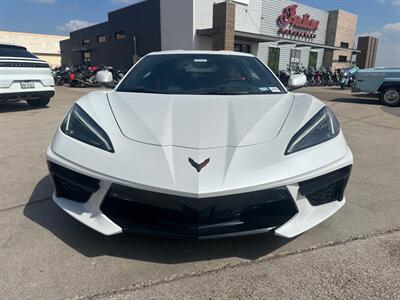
[[326, 188], [72, 185]]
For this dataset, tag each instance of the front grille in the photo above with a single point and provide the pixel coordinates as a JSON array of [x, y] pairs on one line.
[[72, 185], [326, 188], [157, 213]]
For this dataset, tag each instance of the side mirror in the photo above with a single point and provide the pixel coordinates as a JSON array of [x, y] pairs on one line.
[[296, 81], [104, 77]]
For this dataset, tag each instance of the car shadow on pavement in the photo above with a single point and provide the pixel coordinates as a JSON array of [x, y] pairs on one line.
[[17, 106], [44, 212]]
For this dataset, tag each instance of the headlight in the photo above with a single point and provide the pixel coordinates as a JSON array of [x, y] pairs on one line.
[[322, 127], [79, 125]]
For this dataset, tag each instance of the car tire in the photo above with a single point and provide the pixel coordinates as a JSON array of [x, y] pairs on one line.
[[41, 102], [342, 86], [390, 96]]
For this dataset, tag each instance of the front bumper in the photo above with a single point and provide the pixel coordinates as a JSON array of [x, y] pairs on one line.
[[111, 207]]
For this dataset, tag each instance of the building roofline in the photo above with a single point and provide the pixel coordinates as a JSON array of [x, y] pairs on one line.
[[338, 10], [31, 33], [88, 26], [133, 4]]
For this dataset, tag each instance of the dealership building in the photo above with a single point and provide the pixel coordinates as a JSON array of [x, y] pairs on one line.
[[279, 32]]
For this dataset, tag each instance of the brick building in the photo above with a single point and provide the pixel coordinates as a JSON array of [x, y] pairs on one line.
[[368, 46]]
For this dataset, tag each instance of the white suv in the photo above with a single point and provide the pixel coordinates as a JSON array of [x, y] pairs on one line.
[[23, 76]]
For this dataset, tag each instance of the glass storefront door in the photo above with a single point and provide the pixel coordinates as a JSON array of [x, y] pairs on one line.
[[273, 59], [312, 61], [295, 59]]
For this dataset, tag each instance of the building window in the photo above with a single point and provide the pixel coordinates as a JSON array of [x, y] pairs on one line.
[[294, 58], [344, 45], [85, 41], [312, 61], [242, 48], [342, 58], [101, 39], [273, 59], [120, 35], [86, 57]]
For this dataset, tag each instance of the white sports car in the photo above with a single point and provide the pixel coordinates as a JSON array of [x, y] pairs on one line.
[[195, 144]]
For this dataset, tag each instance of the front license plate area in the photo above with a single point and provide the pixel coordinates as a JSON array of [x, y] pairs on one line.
[[27, 85]]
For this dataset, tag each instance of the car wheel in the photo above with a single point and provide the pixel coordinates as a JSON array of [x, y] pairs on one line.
[[391, 97], [342, 86], [41, 102]]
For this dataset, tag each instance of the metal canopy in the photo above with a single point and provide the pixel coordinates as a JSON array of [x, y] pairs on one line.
[[255, 37], [204, 32], [262, 38], [284, 43]]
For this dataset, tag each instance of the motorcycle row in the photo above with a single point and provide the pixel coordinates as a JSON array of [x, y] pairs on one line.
[[321, 76], [84, 76]]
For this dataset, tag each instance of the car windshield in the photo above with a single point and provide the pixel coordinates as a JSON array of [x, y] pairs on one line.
[[203, 74]]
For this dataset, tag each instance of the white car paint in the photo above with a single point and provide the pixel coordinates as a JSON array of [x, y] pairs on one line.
[[245, 138], [14, 70]]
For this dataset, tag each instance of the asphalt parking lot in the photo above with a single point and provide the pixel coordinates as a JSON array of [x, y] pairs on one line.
[[45, 254]]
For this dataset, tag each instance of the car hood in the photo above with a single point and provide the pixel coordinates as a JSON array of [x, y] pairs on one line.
[[200, 121]]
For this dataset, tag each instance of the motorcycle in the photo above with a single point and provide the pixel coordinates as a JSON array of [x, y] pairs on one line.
[[326, 77], [83, 76], [61, 75], [347, 77], [117, 74], [284, 76], [310, 76], [318, 77]]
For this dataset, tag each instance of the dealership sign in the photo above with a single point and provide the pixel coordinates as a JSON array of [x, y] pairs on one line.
[[292, 24]]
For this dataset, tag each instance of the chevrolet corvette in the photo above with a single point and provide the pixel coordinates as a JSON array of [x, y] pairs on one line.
[[196, 145]]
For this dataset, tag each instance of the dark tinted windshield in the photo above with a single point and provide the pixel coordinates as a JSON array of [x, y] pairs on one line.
[[15, 52], [200, 74]]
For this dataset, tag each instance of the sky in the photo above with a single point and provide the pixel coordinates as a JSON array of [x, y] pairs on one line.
[[379, 18]]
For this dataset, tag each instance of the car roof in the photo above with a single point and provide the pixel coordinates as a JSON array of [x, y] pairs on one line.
[[11, 46], [221, 52]]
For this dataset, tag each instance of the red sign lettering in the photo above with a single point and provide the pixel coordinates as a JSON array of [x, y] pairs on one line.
[[289, 18]]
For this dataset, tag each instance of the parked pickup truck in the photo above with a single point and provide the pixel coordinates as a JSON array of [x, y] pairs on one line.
[[382, 81]]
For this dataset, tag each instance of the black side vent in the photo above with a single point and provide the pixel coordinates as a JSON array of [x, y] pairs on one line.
[[326, 188], [72, 185]]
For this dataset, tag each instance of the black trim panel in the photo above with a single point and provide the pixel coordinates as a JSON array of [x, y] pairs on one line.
[[23, 65], [151, 213], [72, 185], [326, 188], [25, 95]]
